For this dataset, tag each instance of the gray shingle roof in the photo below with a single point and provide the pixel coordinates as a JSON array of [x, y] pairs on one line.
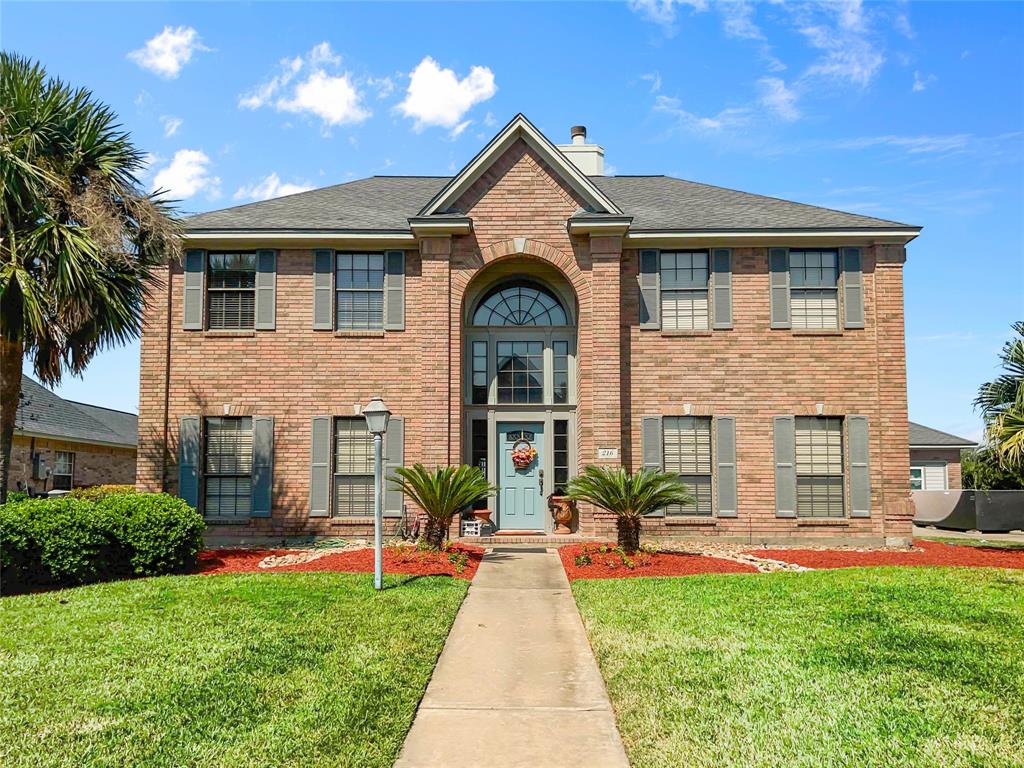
[[385, 203], [922, 435], [41, 412]]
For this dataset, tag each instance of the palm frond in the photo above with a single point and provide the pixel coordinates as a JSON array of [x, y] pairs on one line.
[[628, 495]]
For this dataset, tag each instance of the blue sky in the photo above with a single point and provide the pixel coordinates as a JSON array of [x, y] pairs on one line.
[[907, 111]]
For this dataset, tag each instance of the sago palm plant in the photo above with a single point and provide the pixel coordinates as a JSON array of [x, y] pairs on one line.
[[1001, 402], [441, 494], [78, 235], [629, 496]]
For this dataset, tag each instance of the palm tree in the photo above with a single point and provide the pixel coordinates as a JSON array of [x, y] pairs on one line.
[[628, 496], [442, 494], [1002, 404], [78, 236]]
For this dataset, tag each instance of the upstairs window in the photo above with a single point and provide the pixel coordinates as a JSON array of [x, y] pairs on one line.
[[353, 468], [684, 290], [687, 452], [231, 291], [228, 467], [359, 285], [814, 289], [819, 466]]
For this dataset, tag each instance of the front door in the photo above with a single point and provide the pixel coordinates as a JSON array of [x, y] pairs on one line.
[[521, 484]]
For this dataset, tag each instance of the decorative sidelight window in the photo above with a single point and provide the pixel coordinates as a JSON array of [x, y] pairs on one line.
[[228, 467], [687, 452], [520, 371], [519, 304], [353, 467], [231, 291], [684, 290], [814, 289], [819, 466]]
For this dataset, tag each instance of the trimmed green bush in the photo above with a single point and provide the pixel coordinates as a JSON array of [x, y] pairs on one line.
[[13, 496], [161, 533], [97, 492], [66, 541]]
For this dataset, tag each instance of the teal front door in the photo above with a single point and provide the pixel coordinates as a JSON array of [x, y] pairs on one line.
[[520, 488]]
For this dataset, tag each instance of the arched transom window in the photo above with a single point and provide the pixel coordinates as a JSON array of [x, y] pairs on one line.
[[520, 303]]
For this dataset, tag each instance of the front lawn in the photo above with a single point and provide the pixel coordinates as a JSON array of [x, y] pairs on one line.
[[297, 669], [861, 667]]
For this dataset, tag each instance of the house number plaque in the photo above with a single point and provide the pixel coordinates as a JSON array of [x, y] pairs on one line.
[[607, 453]]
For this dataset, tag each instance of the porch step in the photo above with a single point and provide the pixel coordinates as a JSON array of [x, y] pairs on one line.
[[536, 539]]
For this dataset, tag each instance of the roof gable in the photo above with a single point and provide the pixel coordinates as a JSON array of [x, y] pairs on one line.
[[44, 413], [520, 128], [920, 435]]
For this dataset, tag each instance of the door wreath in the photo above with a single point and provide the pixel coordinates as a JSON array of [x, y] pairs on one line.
[[523, 454]]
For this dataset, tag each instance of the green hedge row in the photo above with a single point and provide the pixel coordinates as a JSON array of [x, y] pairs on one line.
[[65, 541]]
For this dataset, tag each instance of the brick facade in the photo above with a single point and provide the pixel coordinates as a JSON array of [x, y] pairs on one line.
[[519, 208], [93, 464]]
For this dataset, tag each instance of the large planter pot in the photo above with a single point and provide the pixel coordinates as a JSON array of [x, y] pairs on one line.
[[563, 511]]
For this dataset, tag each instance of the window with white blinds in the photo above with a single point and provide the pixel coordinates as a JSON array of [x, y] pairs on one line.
[[684, 290], [63, 470], [231, 291], [929, 476], [814, 289], [687, 452], [227, 467], [353, 467], [359, 282], [819, 466]]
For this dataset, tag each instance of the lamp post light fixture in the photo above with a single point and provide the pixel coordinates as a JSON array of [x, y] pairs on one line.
[[377, 415]]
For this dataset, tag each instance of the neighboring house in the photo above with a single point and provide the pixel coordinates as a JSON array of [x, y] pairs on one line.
[[935, 458], [60, 444], [752, 345]]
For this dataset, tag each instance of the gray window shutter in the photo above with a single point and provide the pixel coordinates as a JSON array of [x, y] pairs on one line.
[[262, 465], [651, 448], [195, 287], [778, 259], [394, 291], [323, 290], [266, 290], [785, 466], [860, 477], [394, 457], [650, 289], [725, 459], [853, 288], [721, 308], [320, 467], [188, 459]]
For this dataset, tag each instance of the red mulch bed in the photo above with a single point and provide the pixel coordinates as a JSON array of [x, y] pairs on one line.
[[404, 560], [610, 565], [932, 553]]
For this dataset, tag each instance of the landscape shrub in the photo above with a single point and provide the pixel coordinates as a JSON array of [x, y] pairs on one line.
[[13, 496], [97, 492], [160, 533], [66, 541]]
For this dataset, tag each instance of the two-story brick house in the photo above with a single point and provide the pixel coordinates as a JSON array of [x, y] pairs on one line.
[[754, 346]]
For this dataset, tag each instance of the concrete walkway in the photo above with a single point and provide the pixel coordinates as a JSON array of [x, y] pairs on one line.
[[517, 683]]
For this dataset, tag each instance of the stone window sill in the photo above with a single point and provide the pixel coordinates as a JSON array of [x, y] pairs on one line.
[[351, 521], [817, 332], [359, 334], [691, 521], [228, 334], [837, 522], [685, 333]]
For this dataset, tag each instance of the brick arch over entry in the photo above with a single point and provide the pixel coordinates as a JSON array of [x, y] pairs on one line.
[[524, 247]]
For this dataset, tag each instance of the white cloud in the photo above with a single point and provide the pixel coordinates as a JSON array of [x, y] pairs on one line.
[[169, 51], [490, 120], [269, 187], [921, 82], [843, 33], [778, 99], [311, 85], [437, 97], [733, 117], [738, 20], [171, 124], [663, 12], [915, 145], [187, 174], [384, 86], [654, 78]]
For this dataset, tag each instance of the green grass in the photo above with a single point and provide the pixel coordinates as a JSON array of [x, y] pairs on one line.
[[858, 667], [299, 669], [964, 542]]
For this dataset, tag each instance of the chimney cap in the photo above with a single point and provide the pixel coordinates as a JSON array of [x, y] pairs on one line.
[[578, 130]]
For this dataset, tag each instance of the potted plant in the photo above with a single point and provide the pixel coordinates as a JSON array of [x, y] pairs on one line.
[[629, 496], [563, 510]]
